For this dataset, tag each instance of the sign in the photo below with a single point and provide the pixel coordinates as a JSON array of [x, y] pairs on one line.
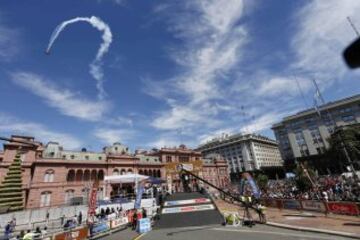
[[313, 205], [343, 208], [144, 225], [100, 227], [291, 204], [119, 222], [192, 166], [188, 209], [189, 201], [75, 234]]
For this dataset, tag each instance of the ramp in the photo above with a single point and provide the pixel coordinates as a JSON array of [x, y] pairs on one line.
[[188, 209]]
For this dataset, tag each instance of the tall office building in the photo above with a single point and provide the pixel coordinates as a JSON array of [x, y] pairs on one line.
[[244, 152], [305, 134]]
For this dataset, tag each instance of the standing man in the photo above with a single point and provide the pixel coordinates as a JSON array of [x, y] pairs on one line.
[[80, 218]]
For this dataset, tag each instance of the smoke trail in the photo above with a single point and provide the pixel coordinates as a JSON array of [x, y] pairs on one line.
[[96, 64]]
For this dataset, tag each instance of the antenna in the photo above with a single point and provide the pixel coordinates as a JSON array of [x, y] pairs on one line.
[[301, 91], [353, 26]]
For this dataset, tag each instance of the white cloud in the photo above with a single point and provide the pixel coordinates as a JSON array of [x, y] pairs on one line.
[[212, 40], [276, 86], [12, 125], [65, 101], [323, 33], [111, 135], [9, 41]]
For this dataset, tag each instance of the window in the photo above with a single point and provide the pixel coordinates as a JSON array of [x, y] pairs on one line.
[[168, 159], [100, 158], [69, 194], [348, 118], [72, 156], [183, 159], [87, 157], [45, 199], [49, 176]]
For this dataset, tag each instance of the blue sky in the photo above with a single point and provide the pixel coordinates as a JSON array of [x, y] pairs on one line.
[[175, 71]]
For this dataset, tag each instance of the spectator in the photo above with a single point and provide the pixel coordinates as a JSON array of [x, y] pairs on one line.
[[79, 219]]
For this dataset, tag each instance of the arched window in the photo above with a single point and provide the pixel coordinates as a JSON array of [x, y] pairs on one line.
[[49, 175], [140, 171], [158, 173], [93, 175], [154, 173], [146, 172], [71, 176], [87, 175], [101, 175], [130, 170], [45, 199], [116, 172], [79, 175], [123, 171], [69, 194]]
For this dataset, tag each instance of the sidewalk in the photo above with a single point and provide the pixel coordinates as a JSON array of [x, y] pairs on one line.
[[300, 220]]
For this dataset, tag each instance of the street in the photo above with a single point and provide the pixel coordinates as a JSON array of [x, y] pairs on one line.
[[216, 232]]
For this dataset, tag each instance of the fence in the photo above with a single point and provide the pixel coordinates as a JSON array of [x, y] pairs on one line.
[[32, 218], [345, 208]]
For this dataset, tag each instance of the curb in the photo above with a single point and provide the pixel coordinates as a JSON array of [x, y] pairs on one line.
[[342, 234]]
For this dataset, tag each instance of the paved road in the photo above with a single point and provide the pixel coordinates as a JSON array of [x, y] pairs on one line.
[[230, 233]]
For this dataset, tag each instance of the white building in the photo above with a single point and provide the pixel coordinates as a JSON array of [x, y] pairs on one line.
[[244, 152]]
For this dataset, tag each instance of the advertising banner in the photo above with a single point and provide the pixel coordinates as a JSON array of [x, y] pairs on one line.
[[119, 222], [75, 234], [252, 183], [144, 225], [100, 227], [188, 209], [139, 194], [189, 201], [92, 199], [343, 208], [291, 204], [313, 205]]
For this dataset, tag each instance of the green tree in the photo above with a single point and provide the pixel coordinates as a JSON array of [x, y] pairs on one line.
[[349, 137], [262, 181], [302, 180]]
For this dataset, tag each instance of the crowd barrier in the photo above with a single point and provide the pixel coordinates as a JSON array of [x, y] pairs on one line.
[[345, 208]]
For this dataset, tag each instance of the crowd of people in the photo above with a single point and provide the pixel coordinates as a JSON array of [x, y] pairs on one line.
[[328, 188]]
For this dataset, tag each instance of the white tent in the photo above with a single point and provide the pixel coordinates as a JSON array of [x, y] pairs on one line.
[[127, 178]]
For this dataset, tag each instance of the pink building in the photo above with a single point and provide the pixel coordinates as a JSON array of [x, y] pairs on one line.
[[51, 176]]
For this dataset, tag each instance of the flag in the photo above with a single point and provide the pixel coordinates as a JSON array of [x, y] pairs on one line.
[[139, 194]]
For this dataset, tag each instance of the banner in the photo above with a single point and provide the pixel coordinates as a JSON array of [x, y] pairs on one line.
[[144, 225], [313, 205], [100, 227], [92, 199], [253, 185], [291, 204], [139, 194], [188, 209], [189, 201], [241, 186], [119, 222], [343, 208]]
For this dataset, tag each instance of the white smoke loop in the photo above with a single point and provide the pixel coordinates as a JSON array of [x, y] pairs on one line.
[[96, 65]]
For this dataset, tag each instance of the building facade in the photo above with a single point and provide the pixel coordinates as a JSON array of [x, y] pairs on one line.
[[305, 134], [38, 175], [244, 152]]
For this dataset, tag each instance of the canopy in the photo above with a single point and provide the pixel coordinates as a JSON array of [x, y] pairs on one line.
[[127, 178]]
